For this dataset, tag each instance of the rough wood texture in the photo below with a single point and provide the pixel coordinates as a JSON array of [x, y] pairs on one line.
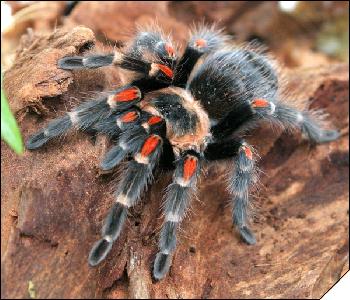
[[35, 74], [54, 201]]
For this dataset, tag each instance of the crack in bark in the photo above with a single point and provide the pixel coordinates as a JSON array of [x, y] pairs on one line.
[[53, 244], [331, 272], [122, 282]]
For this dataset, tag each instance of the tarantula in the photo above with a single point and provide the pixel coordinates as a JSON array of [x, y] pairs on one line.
[[197, 109]]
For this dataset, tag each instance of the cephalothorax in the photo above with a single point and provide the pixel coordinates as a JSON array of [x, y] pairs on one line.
[[186, 110]]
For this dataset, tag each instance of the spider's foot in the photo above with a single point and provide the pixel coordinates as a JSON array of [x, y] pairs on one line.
[[37, 140], [247, 235], [161, 265], [88, 62], [71, 63], [99, 252], [320, 136], [328, 136]]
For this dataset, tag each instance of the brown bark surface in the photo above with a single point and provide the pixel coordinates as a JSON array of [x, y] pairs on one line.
[[54, 200]]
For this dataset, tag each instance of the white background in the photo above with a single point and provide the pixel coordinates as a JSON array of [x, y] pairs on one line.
[[340, 290]]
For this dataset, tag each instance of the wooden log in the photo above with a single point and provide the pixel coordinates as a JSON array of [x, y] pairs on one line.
[[54, 202]]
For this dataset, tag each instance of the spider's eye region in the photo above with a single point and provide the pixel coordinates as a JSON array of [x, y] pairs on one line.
[[126, 95], [170, 50], [200, 43]]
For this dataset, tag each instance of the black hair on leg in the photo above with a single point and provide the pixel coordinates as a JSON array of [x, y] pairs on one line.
[[157, 71], [55, 128], [82, 117], [135, 179], [108, 126], [150, 54], [233, 120], [100, 115], [85, 62], [203, 40], [177, 200], [222, 149], [309, 122], [129, 143], [87, 114], [135, 127], [243, 177], [101, 60], [155, 44], [226, 81]]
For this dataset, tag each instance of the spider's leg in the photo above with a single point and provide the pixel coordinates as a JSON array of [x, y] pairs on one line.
[[87, 114], [156, 75], [177, 200], [97, 115], [135, 129], [108, 126], [81, 117], [241, 114], [243, 177], [150, 54], [240, 87], [156, 70], [309, 122], [222, 149], [130, 138], [85, 62], [247, 115], [135, 179], [202, 41], [151, 43]]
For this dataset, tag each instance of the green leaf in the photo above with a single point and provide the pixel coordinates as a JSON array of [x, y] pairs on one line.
[[9, 130]]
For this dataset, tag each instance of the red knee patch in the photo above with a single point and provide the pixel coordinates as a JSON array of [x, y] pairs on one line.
[[129, 94], [154, 120], [150, 145], [190, 167], [170, 50], [200, 43], [248, 152], [166, 70], [260, 103], [129, 117]]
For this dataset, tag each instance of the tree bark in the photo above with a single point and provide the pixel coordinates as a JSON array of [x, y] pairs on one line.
[[54, 200]]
